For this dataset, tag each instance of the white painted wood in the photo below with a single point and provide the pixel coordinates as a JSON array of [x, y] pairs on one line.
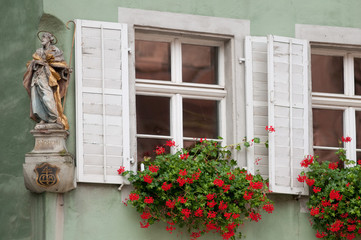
[[256, 101], [288, 108], [102, 101]]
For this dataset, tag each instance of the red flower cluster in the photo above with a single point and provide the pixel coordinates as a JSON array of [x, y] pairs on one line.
[[212, 214], [218, 182], [314, 211], [268, 208], [210, 196], [222, 206], [335, 195], [270, 129], [183, 172], [304, 178], [144, 225], [256, 185], [182, 199], [321, 235], [255, 216], [148, 179], [184, 156], [133, 197], [346, 139], [159, 150], [170, 143], [333, 166], [226, 188], [170, 203], [186, 212], [145, 215], [153, 168], [166, 186], [149, 200], [307, 161], [336, 226], [316, 189], [231, 176], [121, 170], [249, 177], [247, 195], [198, 212]]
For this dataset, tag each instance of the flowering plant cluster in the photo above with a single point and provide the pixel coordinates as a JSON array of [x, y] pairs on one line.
[[335, 202], [199, 189]]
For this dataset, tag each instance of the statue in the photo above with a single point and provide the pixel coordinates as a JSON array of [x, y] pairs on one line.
[[46, 81]]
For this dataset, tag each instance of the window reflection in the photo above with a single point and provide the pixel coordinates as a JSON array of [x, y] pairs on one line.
[[357, 72], [200, 118], [328, 155], [152, 60], [153, 115], [327, 127], [199, 64], [327, 74], [146, 148]]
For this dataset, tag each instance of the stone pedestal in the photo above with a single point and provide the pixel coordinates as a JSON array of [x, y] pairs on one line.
[[49, 167]]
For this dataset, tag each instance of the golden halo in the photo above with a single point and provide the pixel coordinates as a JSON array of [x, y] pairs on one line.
[[56, 40]]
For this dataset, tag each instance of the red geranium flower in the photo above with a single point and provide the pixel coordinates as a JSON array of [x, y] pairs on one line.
[[153, 168], [307, 161], [346, 139], [247, 195], [270, 129], [310, 181], [211, 214], [198, 212], [184, 156], [316, 189], [121, 170], [218, 182], [166, 186], [149, 200], [145, 215], [249, 177], [133, 197], [147, 179], [210, 196], [183, 172], [268, 208], [222, 206], [159, 150], [211, 204], [255, 216], [226, 188], [170, 203], [333, 166], [170, 143]]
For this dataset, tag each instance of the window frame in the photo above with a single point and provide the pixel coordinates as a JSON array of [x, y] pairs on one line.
[[337, 41], [231, 31], [178, 90]]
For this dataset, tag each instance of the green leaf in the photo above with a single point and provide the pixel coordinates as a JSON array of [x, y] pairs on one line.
[[246, 144], [256, 140]]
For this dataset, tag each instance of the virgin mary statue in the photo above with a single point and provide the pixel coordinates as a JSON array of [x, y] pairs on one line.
[[46, 81]]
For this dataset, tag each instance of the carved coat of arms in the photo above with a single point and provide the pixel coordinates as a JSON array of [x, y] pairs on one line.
[[47, 175]]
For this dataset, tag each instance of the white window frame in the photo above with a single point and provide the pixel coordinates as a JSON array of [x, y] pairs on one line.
[[178, 90], [337, 41], [231, 31]]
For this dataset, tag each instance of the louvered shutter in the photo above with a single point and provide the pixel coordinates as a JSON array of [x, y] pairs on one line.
[[278, 95], [288, 108], [256, 102], [102, 101]]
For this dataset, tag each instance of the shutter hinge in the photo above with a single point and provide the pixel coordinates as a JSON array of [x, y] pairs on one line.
[[129, 50], [241, 60]]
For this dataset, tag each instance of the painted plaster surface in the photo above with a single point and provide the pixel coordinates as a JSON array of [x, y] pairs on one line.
[[18, 26]]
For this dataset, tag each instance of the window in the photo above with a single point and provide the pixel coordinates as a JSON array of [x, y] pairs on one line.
[[180, 90], [336, 96], [336, 100], [155, 76]]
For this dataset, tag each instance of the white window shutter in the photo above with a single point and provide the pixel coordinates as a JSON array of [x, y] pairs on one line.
[[256, 103], [288, 112], [102, 101]]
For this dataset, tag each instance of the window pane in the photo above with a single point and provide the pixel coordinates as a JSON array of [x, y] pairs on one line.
[[328, 155], [327, 74], [146, 148], [358, 129], [199, 64], [152, 60], [200, 118], [153, 115], [357, 72], [327, 127]]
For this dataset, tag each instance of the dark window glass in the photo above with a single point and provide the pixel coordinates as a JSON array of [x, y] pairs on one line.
[[146, 148], [199, 64], [153, 115], [200, 118], [327, 127], [358, 156], [327, 74], [152, 60], [358, 129], [357, 72], [328, 155]]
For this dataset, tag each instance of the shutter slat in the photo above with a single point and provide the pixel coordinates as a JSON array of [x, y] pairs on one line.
[[102, 108]]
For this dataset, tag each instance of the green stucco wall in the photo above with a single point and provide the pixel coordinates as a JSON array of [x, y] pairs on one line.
[[95, 212], [18, 25]]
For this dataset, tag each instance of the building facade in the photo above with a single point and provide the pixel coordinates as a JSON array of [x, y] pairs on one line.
[[147, 72]]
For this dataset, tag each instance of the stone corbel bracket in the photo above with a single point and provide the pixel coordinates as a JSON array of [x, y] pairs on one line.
[[49, 167]]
